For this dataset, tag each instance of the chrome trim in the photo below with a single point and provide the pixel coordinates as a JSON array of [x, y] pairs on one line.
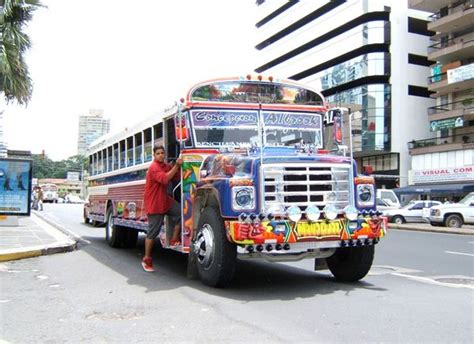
[[307, 175]]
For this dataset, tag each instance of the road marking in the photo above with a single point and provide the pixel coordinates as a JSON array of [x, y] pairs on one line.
[[431, 281], [460, 253]]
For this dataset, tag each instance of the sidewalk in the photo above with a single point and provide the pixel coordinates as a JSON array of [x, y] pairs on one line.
[[31, 238]]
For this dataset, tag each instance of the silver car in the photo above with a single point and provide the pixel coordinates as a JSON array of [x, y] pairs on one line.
[[412, 212]]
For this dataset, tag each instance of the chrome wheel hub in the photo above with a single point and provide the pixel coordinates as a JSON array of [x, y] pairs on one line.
[[204, 246]]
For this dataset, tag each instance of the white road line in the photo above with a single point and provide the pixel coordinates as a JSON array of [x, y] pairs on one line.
[[460, 253], [431, 281]]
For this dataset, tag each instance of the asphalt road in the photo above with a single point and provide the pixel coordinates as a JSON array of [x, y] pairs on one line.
[[417, 291]]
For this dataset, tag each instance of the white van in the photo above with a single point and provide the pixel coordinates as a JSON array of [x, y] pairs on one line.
[[389, 197]]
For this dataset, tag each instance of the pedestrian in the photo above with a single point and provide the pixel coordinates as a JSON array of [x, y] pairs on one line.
[[158, 203], [40, 198]]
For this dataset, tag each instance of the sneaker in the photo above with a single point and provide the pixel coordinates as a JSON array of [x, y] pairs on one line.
[[147, 264]]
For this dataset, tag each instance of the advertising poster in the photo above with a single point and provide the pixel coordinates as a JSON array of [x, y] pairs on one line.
[[15, 186]]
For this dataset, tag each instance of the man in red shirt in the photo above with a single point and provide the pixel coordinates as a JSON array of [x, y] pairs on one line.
[[158, 203]]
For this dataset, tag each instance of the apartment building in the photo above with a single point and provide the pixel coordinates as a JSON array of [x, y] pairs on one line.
[[445, 163], [91, 127], [367, 55]]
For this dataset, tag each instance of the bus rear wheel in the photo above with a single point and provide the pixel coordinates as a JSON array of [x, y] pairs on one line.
[[350, 264], [114, 235], [215, 255]]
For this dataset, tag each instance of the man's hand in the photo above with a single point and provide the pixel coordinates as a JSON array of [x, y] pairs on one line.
[[179, 161]]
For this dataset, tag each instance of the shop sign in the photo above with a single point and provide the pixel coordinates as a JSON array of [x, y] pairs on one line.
[[461, 73], [445, 174], [446, 123]]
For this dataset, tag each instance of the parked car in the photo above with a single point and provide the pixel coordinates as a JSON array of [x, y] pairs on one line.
[[73, 199], [383, 205], [389, 197], [412, 212], [454, 214]]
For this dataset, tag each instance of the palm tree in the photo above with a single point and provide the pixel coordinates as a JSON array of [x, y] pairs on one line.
[[15, 82]]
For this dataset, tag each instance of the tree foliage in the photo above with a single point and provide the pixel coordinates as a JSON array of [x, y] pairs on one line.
[[43, 167], [15, 81]]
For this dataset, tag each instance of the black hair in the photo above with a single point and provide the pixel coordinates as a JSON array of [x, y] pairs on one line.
[[155, 148]]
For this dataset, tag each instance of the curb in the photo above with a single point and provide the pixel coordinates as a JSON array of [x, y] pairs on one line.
[[5, 257]]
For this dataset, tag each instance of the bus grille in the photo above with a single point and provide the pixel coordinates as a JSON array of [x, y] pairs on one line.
[[303, 185]]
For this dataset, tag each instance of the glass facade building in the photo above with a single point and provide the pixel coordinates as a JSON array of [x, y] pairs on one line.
[[361, 54]]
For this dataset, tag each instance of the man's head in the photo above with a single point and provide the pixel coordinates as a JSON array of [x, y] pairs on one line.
[[159, 153]]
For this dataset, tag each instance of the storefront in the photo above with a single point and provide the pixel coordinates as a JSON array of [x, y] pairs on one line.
[[445, 184]]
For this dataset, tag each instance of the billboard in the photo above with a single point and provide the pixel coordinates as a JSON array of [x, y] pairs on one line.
[[15, 186]]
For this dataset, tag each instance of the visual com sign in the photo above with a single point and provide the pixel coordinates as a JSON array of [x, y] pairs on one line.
[[15, 186]]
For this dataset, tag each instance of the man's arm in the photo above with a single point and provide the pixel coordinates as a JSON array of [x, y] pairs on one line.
[[174, 170]]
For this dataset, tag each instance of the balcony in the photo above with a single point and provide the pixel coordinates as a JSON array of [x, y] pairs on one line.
[[453, 80], [455, 109], [458, 48], [441, 144], [459, 17], [427, 5]]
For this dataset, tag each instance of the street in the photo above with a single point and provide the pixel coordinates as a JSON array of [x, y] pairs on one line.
[[420, 289]]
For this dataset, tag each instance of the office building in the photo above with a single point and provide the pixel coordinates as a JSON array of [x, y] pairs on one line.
[[91, 126], [445, 163], [366, 55]]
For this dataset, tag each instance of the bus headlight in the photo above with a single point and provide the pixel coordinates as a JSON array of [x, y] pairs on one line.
[[365, 195], [313, 213], [243, 197], [294, 213], [330, 212], [351, 212]]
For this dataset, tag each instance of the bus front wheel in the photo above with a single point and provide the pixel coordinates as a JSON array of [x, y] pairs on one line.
[[215, 255], [350, 264]]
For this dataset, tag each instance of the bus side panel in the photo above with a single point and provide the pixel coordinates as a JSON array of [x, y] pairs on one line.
[[190, 173], [128, 201]]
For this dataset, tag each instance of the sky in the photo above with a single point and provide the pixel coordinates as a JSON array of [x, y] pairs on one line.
[[130, 58]]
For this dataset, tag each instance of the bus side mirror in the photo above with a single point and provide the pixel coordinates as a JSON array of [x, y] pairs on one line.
[[181, 131]]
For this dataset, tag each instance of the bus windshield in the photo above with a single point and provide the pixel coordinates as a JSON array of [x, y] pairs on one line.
[[256, 92], [240, 128]]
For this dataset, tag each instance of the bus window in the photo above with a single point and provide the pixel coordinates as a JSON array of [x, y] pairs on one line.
[[158, 133], [171, 144], [138, 148], [109, 159], [130, 151], [122, 154], [148, 145], [116, 156]]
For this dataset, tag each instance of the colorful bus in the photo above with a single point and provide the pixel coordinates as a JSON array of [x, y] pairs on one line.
[[259, 181]]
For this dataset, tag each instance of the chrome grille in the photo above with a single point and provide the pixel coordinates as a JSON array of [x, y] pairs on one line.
[[304, 184]]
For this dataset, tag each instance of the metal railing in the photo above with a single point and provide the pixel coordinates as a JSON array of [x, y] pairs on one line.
[[460, 138], [456, 7], [437, 78], [447, 43], [466, 104]]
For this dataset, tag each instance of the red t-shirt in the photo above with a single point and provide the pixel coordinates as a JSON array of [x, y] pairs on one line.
[[157, 200]]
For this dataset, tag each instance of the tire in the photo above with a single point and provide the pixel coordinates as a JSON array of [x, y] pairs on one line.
[[453, 221], [215, 255], [131, 236], [350, 264], [114, 235], [398, 219], [86, 219]]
